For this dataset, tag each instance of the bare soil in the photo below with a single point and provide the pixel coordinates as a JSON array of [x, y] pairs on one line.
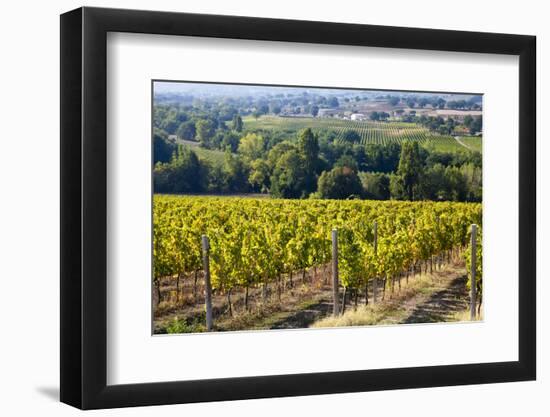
[[443, 304], [426, 298]]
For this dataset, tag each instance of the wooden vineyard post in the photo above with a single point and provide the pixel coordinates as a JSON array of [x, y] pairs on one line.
[[207, 284], [374, 289], [437, 257], [473, 268], [336, 309]]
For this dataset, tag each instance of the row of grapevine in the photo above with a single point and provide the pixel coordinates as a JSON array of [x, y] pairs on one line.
[[384, 133], [370, 132], [256, 242]]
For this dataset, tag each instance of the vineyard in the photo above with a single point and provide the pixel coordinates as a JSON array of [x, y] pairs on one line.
[[381, 133], [268, 246]]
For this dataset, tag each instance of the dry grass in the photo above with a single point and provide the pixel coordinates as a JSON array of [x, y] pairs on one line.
[[262, 314], [362, 316], [396, 309], [383, 312], [309, 305], [463, 316]]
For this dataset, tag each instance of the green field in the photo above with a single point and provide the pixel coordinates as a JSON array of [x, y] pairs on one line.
[[473, 142], [381, 133], [211, 155]]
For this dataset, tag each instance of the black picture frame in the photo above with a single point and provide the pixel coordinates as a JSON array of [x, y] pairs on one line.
[[84, 207]]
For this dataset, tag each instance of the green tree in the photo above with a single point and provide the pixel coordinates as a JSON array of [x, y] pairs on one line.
[[230, 141], [476, 125], [473, 176], [339, 183], [170, 122], [376, 185], [347, 161], [205, 132], [434, 183], [410, 168], [397, 191], [351, 136], [187, 130], [237, 123], [162, 148], [252, 146], [218, 178], [423, 102], [184, 173], [456, 184], [277, 151], [308, 145], [382, 158], [237, 173], [288, 179], [259, 176]]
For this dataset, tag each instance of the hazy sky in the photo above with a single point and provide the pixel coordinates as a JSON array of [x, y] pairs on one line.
[[236, 89]]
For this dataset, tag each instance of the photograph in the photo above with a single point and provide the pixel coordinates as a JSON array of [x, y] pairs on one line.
[[293, 207], [268, 209]]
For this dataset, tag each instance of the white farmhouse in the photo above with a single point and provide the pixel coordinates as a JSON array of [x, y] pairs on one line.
[[358, 116]]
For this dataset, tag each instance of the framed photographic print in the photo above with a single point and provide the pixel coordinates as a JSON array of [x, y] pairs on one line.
[[256, 208]]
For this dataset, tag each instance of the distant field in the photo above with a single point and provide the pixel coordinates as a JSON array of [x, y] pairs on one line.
[[370, 131], [209, 155], [473, 142], [203, 153]]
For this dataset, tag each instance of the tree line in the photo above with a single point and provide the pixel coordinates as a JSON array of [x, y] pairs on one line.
[[449, 126], [315, 166]]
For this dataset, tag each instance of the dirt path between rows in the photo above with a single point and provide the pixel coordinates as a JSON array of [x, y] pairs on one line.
[[442, 305], [427, 299], [305, 317]]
